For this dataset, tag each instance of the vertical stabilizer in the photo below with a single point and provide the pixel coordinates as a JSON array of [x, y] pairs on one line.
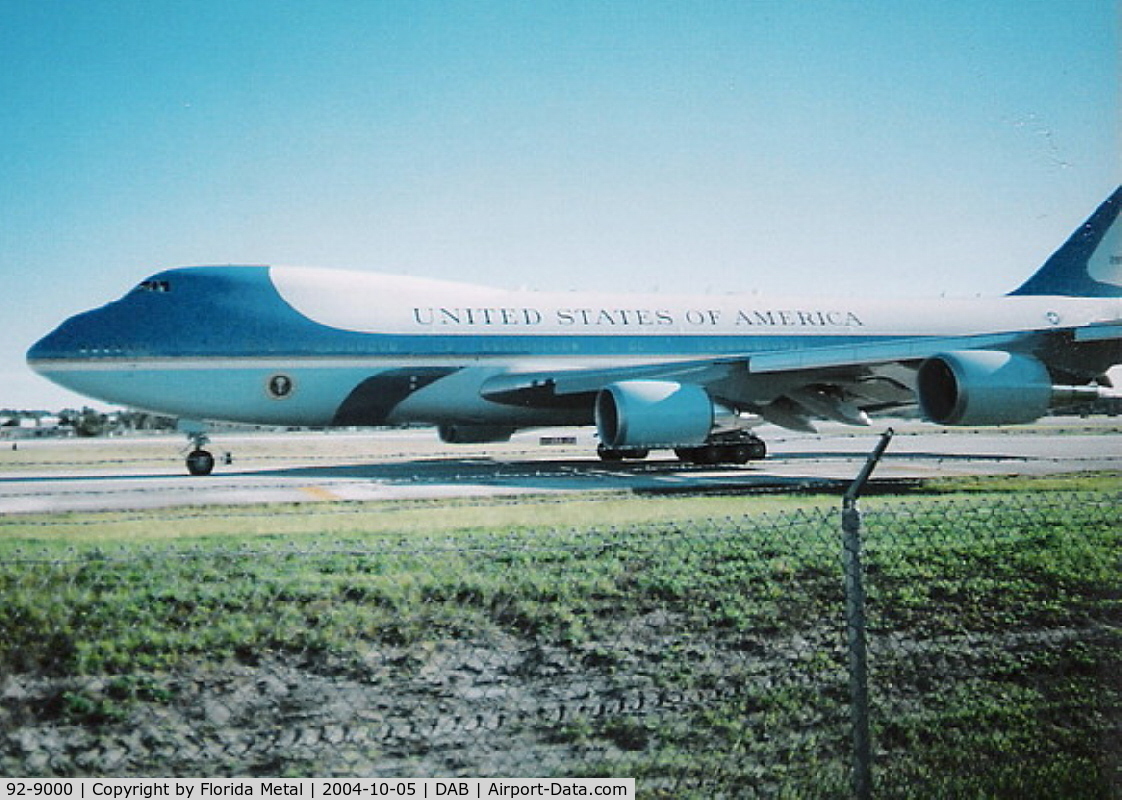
[[1090, 262]]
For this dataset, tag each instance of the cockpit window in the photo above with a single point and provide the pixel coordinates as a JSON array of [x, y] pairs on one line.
[[161, 287]]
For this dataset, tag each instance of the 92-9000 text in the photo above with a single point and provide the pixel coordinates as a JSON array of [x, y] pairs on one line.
[[39, 789]]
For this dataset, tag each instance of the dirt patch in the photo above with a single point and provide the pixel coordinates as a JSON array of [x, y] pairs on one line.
[[499, 706]]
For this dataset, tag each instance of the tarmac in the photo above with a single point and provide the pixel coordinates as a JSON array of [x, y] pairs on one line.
[[146, 472]]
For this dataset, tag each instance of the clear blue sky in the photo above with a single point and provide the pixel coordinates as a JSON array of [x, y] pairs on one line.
[[892, 147]]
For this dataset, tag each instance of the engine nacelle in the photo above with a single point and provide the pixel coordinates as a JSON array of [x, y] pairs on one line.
[[983, 387], [646, 414], [474, 434]]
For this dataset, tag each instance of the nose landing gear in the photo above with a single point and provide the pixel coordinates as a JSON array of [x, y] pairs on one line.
[[200, 461]]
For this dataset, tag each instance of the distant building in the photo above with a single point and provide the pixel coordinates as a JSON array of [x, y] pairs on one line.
[[46, 427]]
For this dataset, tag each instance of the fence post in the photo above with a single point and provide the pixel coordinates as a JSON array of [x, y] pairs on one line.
[[855, 625]]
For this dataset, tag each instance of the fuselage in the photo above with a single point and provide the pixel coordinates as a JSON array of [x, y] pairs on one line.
[[290, 346]]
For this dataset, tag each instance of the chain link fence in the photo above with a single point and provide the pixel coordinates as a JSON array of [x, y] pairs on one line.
[[705, 659]]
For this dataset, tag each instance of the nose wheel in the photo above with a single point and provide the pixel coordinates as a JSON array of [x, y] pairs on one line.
[[200, 461]]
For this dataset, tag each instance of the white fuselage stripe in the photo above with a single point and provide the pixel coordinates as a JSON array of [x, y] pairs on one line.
[[182, 364]]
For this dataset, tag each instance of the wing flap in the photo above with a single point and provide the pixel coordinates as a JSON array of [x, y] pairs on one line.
[[1099, 333], [871, 353]]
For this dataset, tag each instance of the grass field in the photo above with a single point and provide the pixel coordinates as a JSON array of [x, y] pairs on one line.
[[694, 642]]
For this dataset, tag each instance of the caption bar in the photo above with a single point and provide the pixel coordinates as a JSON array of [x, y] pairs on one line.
[[415, 788]]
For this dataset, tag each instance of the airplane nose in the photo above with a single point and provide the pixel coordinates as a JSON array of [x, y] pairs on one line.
[[81, 355], [45, 355], [79, 339], [71, 339], [35, 353], [45, 350]]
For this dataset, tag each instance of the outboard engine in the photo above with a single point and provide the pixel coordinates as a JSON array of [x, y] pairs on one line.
[[984, 387]]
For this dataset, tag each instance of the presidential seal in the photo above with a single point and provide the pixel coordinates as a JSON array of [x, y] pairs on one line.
[[280, 386]]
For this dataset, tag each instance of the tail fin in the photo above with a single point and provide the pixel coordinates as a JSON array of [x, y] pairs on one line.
[[1090, 262]]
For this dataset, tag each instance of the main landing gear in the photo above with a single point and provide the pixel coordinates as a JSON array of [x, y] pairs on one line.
[[612, 455], [735, 450], [739, 452]]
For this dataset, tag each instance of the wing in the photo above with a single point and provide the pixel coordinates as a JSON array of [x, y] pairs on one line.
[[844, 382], [574, 387]]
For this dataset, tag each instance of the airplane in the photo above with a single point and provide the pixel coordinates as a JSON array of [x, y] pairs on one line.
[[302, 347]]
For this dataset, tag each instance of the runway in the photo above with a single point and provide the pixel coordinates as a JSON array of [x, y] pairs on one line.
[[44, 476]]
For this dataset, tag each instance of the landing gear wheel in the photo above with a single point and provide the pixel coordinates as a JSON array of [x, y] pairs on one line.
[[739, 454], [609, 454], [200, 462], [704, 456], [614, 455], [709, 455], [750, 448]]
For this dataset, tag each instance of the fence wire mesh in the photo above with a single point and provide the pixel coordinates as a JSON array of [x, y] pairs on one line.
[[705, 659]]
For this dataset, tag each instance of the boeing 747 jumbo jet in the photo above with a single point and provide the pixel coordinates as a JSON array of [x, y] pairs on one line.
[[286, 346]]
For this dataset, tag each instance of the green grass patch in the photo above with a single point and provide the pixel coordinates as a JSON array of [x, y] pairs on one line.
[[695, 642], [93, 609]]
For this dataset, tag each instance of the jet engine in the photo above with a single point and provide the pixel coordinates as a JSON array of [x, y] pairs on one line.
[[635, 415], [983, 387]]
